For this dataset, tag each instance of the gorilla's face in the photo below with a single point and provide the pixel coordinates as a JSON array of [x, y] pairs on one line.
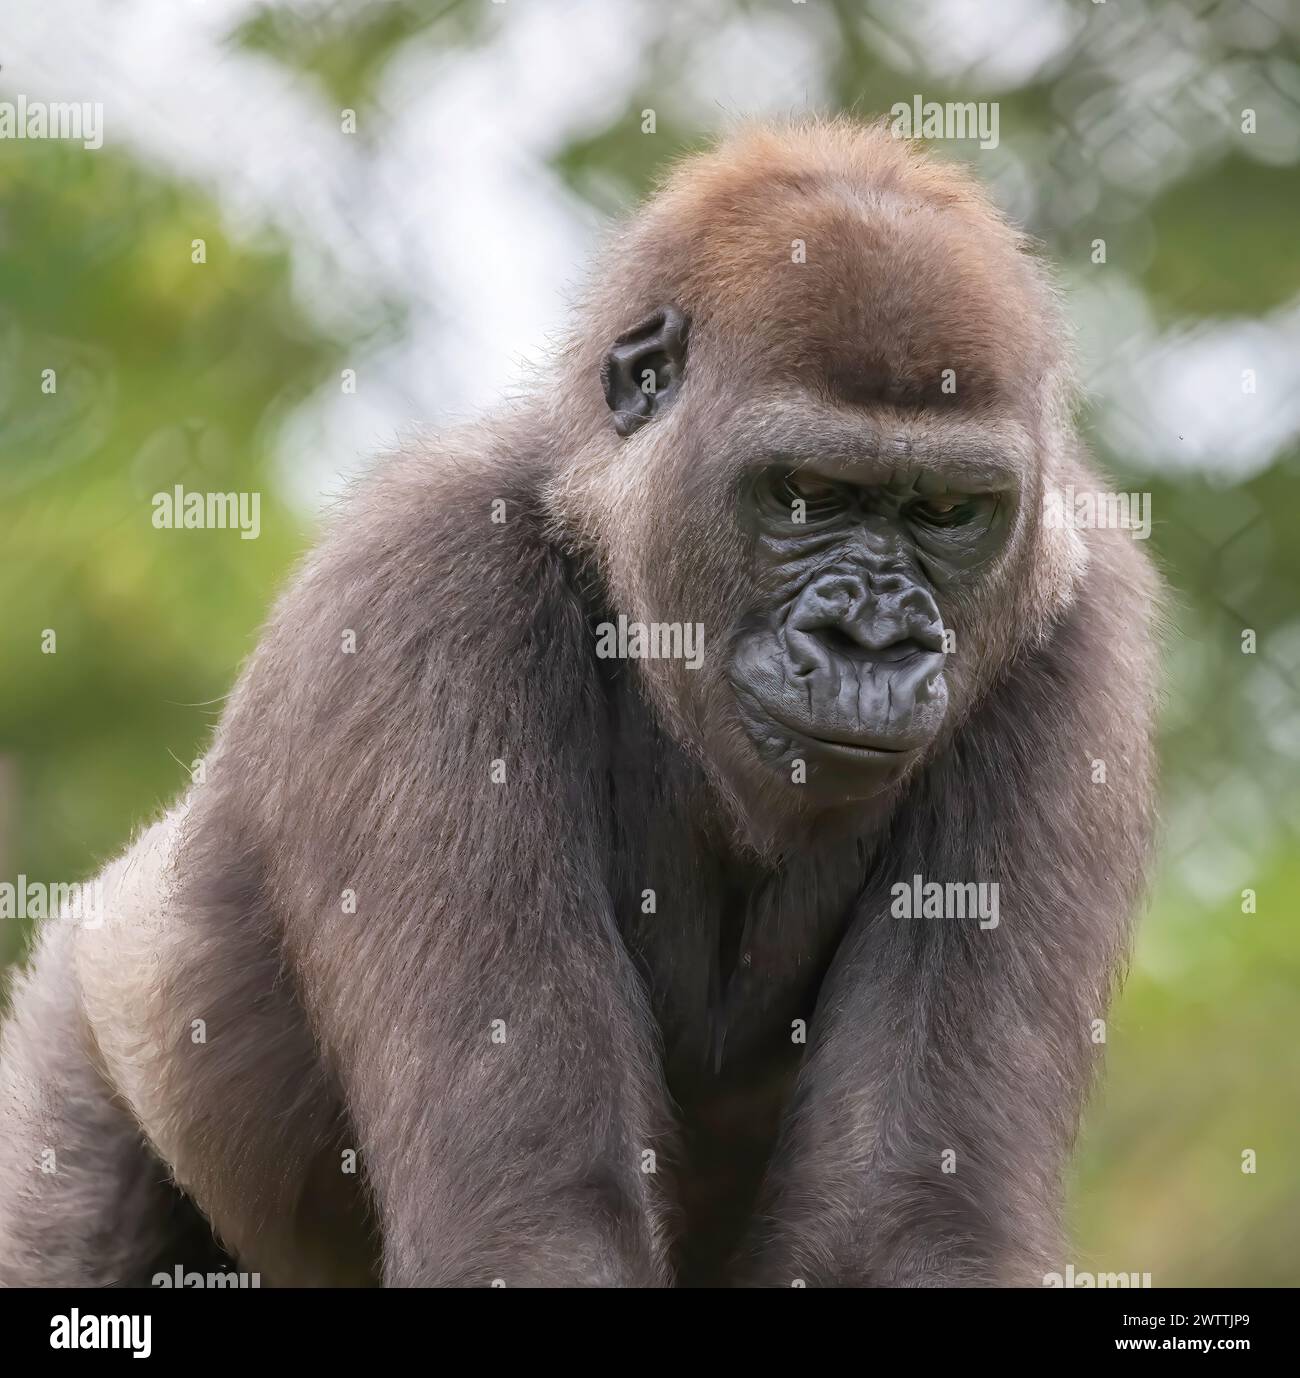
[[853, 543], [838, 662]]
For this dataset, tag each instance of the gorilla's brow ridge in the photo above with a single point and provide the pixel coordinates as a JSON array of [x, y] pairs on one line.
[[996, 453]]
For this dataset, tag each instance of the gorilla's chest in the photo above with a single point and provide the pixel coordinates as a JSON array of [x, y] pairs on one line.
[[733, 958], [733, 962]]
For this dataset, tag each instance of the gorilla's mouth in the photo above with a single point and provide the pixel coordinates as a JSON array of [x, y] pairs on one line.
[[863, 748], [841, 688], [857, 723], [840, 644], [850, 748]]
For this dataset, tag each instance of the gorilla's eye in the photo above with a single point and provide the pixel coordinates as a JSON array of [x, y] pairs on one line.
[[819, 497], [945, 511]]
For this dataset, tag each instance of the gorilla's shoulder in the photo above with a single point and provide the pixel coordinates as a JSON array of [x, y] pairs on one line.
[[456, 525], [460, 487], [439, 563]]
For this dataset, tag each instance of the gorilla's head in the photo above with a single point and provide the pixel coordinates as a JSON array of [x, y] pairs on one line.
[[824, 438]]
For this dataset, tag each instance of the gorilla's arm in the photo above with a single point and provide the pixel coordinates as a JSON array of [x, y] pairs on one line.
[[405, 792], [83, 1199], [932, 1034]]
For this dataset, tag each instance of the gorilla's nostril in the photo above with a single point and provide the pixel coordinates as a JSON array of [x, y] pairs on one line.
[[917, 600], [838, 593], [830, 585]]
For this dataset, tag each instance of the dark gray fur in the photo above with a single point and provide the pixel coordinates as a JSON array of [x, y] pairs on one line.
[[521, 901]]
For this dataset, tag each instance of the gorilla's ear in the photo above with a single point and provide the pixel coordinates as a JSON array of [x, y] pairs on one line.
[[644, 367]]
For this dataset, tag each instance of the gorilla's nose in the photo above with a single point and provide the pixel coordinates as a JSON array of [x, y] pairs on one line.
[[877, 615]]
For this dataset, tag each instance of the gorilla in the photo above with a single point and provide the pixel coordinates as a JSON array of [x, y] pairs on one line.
[[682, 830]]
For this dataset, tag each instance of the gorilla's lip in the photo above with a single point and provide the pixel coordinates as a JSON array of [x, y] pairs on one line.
[[863, 749], [848, 746]]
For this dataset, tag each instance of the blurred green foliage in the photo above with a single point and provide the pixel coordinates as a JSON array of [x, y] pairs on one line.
[[165, 374], [172, 374], [1203, 1064]]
